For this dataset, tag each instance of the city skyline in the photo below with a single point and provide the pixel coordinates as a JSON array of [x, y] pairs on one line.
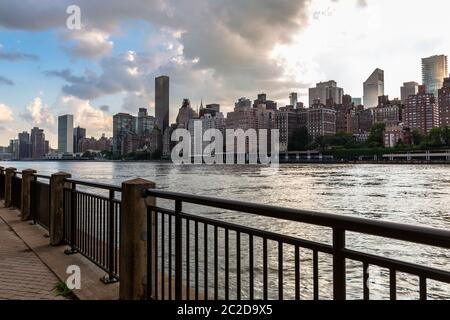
[[110, 65]]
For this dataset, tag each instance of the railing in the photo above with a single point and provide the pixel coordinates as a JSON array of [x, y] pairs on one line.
[[16, 192], [194, 257], [92, 226], [40, 201], [2, 185]]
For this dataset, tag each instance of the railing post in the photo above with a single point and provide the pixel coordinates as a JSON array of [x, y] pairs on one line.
[[27, 177], [339, 274], [10, 172], [2, 187], [133, 244], [178, 251], [57, 184], [73, 221]]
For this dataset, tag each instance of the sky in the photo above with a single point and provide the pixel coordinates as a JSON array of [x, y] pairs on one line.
[[215, 50]]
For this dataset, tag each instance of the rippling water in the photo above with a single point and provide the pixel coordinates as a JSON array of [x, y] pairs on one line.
[[418, 195]]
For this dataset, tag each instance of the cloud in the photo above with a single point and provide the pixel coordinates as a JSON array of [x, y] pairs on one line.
[[17, 56], [96, 121], [38, 113], [88, 43], [6, 81], [6, 114]]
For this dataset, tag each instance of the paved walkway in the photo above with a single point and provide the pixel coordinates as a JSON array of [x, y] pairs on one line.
[[23, 276]]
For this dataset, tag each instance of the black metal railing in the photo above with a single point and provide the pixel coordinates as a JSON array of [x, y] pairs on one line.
[[40, 199], [196, 257], [92, 225], [2, 185], [16, 192]]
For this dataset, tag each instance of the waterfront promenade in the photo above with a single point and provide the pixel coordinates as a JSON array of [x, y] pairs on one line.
[[23, 276]]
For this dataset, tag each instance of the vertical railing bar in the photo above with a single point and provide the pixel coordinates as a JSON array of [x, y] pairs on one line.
[[393, 284], [216, 263], [316, 274], [251, 268], [163, 257], [188, 261], [265, 270], [112, 236], [366, 281], [280, 270], [227, 264], [205, 260], [238, 264], [297, 273], [178, 251], [170, 258], [156, 255], [423, 288], [196, 260]]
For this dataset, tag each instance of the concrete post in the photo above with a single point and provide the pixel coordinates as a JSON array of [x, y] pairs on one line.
[[57, 185], [27, 177], [10, 172], [133, 244]]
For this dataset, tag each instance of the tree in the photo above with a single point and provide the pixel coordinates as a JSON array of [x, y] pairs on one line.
[[417, 137], [300, 140], [376, 137]]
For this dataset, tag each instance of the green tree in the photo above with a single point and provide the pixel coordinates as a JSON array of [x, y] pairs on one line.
[[376, 137], [417, 137]]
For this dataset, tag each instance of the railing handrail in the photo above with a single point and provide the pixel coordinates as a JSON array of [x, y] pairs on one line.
[[404, 232], [103, 186], [41, 176]]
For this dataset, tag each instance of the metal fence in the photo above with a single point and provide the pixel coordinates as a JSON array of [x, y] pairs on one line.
[[194, 257], [40, 202], [92, 226], [16, 192]]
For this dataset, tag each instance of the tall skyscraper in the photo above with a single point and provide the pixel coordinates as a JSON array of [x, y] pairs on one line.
[[38, 143], [24, 145], [408, 89], [434, 70], [326, 92], [373, 88], [162, 96], [421, 111], [65, 134], [78, 134], [444, 103], [124, 125]]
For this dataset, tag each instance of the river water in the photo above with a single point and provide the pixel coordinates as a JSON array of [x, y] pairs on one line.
[[411, 194]]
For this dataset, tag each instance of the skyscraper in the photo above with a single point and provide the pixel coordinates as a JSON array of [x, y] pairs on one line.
[[78, 134], [123, 124], [293, 99], [326, 92], [421, 111], [38, 145], [162, 96], [373, 88], [24, 145], [145, 123], [65, 134], [444, 103], [434, 70], [408, 89]]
